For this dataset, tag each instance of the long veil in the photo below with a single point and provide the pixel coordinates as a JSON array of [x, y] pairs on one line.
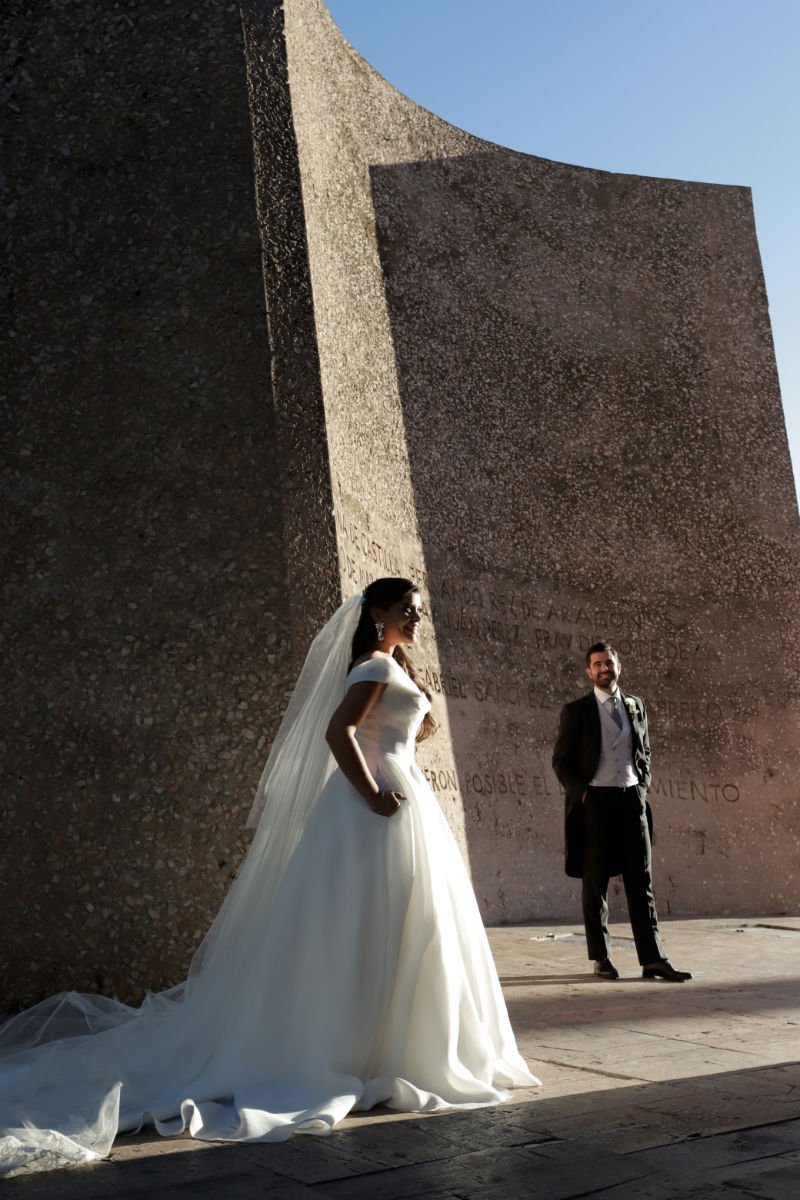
[[57, 1039], [296, 771]]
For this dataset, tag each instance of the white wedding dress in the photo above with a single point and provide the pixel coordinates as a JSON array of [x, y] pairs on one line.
[[368, 980]]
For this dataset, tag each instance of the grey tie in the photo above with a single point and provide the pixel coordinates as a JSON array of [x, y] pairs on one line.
[[616, 715]]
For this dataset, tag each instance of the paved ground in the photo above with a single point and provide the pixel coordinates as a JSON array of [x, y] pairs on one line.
[[652, 1091]]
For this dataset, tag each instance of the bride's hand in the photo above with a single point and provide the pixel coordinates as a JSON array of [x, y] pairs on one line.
[[386, 804]]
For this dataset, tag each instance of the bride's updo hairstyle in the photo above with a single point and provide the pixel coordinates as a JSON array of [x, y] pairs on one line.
[[383, 593]]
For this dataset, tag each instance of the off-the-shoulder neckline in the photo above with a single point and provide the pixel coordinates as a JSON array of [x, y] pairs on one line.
[[395, 664], [377, 658]]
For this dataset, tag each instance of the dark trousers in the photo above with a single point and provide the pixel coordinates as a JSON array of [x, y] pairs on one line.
[[617, 841]]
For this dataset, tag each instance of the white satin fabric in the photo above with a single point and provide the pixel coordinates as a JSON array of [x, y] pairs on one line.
[[367, 980]]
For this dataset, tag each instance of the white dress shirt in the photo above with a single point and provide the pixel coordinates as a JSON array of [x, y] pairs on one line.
[[615, 768]]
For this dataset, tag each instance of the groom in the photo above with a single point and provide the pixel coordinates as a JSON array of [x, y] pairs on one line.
[[602, 758]]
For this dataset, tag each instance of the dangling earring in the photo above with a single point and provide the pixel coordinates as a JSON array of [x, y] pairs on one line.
[[379, 630]]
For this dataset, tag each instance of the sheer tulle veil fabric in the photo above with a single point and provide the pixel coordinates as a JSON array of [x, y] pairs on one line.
[[297, 769], [45, 1038], [317, 693]]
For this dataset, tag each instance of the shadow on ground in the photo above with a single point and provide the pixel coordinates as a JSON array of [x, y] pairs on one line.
[[514, 1150]]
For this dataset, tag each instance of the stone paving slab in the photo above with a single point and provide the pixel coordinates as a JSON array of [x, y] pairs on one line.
[[650, 1091]]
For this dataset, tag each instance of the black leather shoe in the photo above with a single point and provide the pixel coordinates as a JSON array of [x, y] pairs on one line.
[[606, 969], [665, 970]]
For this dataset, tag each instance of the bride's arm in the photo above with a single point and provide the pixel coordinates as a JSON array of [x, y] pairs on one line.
[[340, 736]]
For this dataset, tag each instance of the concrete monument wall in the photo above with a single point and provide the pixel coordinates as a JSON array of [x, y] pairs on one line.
[[469, 350], [145, 623], [549, 393]]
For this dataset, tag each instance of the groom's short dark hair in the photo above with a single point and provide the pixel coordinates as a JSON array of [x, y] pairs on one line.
[[600, 648]]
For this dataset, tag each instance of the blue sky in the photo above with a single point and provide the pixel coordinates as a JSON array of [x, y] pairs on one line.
[[688, 89]]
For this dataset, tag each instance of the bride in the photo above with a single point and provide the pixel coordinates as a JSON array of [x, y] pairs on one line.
[[347, 967]]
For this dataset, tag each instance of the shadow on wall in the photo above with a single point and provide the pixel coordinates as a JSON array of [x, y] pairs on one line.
[[558, 335], [145, 607]]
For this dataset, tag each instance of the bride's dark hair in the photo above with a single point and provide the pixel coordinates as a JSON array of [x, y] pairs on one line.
[[383, 593]]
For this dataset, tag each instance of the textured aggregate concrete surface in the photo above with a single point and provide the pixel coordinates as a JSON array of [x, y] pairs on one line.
[[651, 1091], [548, 394], [144, 613], [461, 345]]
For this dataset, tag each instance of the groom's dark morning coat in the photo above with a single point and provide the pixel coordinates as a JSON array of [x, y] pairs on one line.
[[575, 759]]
